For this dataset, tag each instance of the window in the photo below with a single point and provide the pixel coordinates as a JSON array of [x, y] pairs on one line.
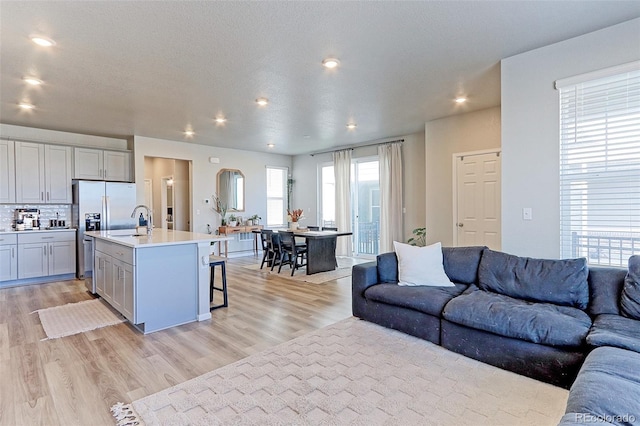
[[276, 193], [600, 165], [328, 194]]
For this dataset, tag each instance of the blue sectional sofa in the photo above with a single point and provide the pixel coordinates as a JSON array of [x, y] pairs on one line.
[[539, 318]]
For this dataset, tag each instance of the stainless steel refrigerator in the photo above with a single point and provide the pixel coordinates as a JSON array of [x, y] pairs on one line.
[[99, 206]]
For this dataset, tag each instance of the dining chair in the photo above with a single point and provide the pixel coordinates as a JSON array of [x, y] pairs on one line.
[[290, 253], [313, 228], [274, 247], [267, 254], [329, 228]]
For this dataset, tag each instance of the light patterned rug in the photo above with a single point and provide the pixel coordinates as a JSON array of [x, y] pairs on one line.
[[343, 270], [353, 373], [74, 318]]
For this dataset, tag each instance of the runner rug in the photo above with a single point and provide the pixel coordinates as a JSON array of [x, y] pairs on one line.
[[352, 373], [74, 318]]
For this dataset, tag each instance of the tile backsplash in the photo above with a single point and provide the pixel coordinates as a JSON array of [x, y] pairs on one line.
[[47, 211]]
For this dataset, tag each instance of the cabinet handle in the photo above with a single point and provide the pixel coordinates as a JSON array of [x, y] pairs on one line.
[[45, 250], [48, 238], [13, 252], [47, 195], [42, 196], [105, 173], [50, 249]]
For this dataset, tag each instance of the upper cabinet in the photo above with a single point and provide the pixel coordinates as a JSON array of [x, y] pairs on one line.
[[42, 173], [99, 164], [7, 172]]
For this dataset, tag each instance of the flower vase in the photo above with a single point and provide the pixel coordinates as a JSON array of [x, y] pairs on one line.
[[294, 226]]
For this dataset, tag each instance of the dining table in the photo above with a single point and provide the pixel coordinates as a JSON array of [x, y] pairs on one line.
[[321, 248]]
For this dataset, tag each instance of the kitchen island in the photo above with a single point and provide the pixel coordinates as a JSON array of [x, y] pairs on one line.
[[156, 281]]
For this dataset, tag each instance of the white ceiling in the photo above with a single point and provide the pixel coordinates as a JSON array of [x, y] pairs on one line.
[[123, 68]]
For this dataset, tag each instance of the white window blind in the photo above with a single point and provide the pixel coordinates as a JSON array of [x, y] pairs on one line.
[[600, 167], [276, 193]]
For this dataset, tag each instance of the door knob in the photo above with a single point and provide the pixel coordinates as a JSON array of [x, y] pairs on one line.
[[460, 225]]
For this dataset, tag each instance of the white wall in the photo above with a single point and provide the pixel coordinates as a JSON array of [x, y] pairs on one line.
[[252, 164], [530, 130], [474, 131], [305, 174]]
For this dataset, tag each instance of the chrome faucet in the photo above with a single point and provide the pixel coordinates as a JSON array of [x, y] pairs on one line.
[[149, 220]]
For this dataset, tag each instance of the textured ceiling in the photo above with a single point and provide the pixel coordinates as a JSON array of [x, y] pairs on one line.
[[123, 68]]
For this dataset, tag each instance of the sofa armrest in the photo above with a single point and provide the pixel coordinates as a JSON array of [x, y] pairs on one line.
[[363, 276]]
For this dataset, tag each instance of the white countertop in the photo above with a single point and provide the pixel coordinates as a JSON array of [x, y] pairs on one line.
[[159, 237], [31, 231]]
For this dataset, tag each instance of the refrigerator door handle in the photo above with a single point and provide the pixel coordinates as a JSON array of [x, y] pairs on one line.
[[105, 213]]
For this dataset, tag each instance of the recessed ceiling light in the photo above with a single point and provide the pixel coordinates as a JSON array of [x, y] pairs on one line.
[[271, 145], [189, 133], [461, 100], [26, 105], [220, 120], [32, 81], [330, 63], [351, 126], [43, 41], [262, 101]]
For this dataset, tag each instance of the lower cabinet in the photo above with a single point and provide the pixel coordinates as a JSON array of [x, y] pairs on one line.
[[44, 254], [8, 257], [115, 280]]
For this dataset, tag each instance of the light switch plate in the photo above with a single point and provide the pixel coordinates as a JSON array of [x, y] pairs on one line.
[[527, 213]]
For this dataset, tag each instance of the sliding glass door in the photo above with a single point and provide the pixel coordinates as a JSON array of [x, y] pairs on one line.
[[365, 203]]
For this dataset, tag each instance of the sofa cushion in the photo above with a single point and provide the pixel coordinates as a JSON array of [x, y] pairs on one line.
[[543, 323], [562, 282], [430, 300], [421, 266], [630, 298], [461, 263], [387, 267], [614, 330], [605, 288], [607, 389]]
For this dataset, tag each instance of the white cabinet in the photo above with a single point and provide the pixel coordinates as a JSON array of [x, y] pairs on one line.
[[8, 257], [7, 172], [42, 254], [43, 173], [98, 164], [115, 276]]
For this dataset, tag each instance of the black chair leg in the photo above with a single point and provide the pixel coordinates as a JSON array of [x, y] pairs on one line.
[[225, 297]]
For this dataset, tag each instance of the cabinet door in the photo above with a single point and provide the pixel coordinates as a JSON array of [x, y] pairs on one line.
[[109, 277], [62, 257], [57, 162], [8, 262], [88, 163], [99, 272], [30, 174], [33, 260], [117, 166], [7, 172]]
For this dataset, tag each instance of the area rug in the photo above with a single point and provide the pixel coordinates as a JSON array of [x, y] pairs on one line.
[[343, 270], [74, 318], [353, 373]]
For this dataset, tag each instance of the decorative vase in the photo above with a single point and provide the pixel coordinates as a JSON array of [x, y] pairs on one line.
[[294, 226], [249, 222]]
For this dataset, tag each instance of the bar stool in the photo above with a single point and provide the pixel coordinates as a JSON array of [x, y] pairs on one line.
[[213, 262]]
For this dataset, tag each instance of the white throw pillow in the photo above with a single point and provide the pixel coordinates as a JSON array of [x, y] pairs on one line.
[[421, 265]]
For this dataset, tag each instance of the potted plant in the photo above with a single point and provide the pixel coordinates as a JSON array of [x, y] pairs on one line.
[[220, 208], [233, 220], [419, 238], [254, 220]]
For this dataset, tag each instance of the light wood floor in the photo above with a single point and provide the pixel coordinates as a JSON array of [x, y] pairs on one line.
[[75, 380]]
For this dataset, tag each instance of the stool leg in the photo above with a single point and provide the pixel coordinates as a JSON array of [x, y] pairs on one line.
[[224, 285], [212, 282]]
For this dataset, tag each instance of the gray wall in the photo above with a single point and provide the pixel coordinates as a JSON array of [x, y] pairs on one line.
[[305, 173], [474, 131], [530, 131]]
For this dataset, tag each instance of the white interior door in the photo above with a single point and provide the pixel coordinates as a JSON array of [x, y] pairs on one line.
[[477, 213]]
